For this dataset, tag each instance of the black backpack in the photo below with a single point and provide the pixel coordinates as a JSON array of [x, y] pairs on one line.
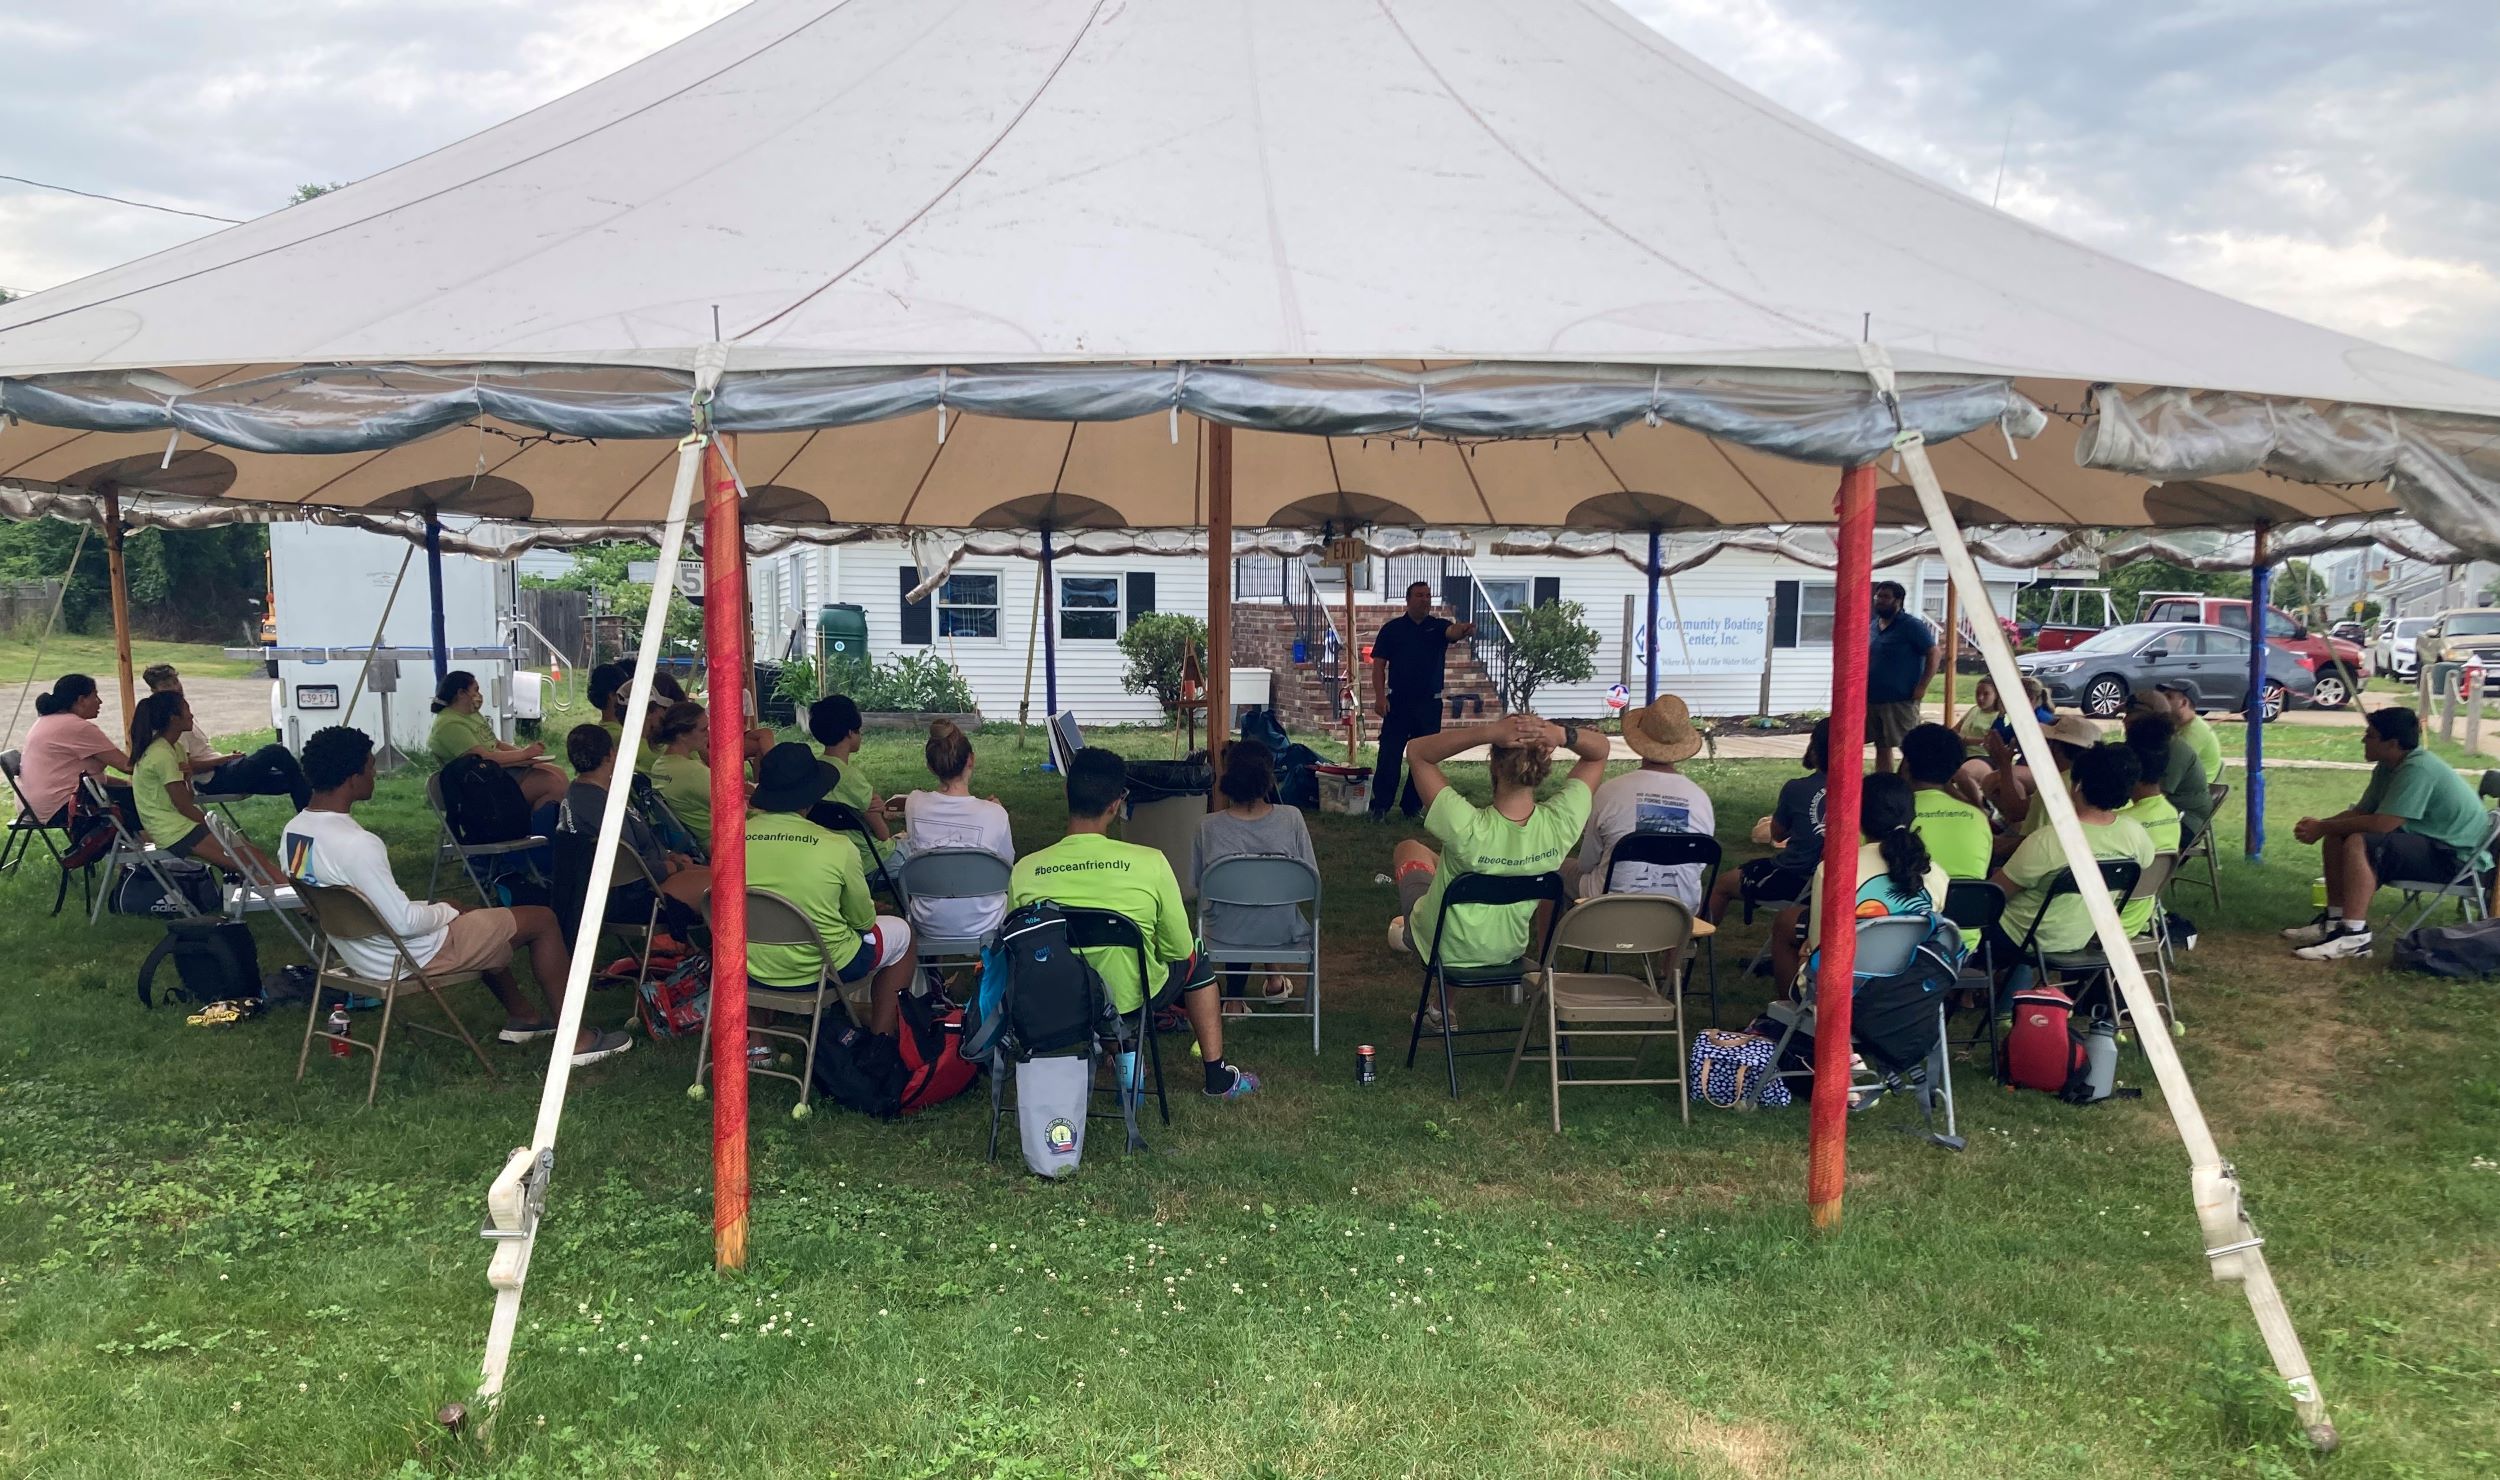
[[1038, 994], [216, 960], [482, 803], [858, 1070], [2470, 951]]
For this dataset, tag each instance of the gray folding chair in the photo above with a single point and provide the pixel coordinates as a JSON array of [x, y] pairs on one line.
[[2201, 848], [25, 828], [256, 890], [1653, 929], [630, 869], [2470, 886], [1887, 946], [341, 913], [131, 850], [480, 863], [953, 873], [774, 921], [1269, 882]]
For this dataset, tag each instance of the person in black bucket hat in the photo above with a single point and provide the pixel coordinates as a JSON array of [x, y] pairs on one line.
[[819, 871]]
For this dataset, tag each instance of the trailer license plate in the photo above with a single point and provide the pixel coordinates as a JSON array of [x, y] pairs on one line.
[[316, 696]]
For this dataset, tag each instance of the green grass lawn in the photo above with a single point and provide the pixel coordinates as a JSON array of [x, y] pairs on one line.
[[92, 653], [206, 1269]]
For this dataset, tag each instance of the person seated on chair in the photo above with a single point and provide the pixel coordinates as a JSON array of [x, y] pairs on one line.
[[952, 817], [325, 844], [1979, 730], [460, 730], [1515, 835], [682, 880], [64, 745], [1796, 824], [818, 871], [681, 766], [1896, 873], [1657, 798], [834, 722], [2015, 792], [611, 685], [270, 771], [2182, 776], [2416, 820], [2192, 726], [2102, 780], [162, 794], [2150, 736], [1251, 825], [1956, 833], [1089, 869]]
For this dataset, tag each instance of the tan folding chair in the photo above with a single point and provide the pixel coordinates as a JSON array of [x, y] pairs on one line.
[[631, 869], [2202, 850], [775, 921], [341, 913], [1655, 929]]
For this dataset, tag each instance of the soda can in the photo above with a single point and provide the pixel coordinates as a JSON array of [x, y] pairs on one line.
[[1366, 1065], [338, 1026]]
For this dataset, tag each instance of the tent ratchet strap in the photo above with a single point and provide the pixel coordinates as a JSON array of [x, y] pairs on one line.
[[2235, 1253]]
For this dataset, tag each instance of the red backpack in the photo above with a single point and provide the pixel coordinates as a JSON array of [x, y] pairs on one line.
[[933, 1072], [2042, 1050]]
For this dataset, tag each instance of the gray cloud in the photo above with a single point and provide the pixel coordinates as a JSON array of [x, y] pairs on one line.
[[2337, 161]]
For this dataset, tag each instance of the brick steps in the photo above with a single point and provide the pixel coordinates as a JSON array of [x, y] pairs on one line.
[[1263, 638]]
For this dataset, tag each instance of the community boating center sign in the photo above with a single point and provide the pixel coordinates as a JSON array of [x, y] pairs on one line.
[[1712, 636]]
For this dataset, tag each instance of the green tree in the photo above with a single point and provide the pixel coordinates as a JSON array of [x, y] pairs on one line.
[[603, 571], [304, 193], [185, 584], [1549, 644], [2299, 589], [1155, 645]]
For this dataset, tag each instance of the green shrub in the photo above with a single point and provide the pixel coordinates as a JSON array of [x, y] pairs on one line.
[[1550, 644], [917, 683], [1154, 645]]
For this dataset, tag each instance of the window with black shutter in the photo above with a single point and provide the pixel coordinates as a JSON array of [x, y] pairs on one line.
[[915, 613], [1783, 614], [1141, 596], [1548, 590]]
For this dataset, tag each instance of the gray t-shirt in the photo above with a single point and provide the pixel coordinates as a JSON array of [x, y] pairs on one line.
[[1223, 835]]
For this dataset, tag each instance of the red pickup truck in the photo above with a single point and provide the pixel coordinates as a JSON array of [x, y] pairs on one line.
[[2339, 665]]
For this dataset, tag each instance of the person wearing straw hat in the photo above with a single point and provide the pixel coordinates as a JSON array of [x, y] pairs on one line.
[[1657, 798]]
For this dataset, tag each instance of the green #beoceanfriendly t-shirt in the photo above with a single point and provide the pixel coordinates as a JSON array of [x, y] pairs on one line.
[[455, 734], [156, 771], [2201, 738], [1479, 840], [1958, 838], [2157, 817], [2066, 925], [820, 873], [1092, 871], [2432, 799]]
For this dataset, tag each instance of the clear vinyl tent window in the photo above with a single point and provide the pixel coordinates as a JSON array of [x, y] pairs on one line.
[[1089, 608], [967, 605]]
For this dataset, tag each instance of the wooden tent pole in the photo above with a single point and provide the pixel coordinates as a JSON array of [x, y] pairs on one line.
[[1952, 647], [120, 582], [1827, 1135], [1219, 674]]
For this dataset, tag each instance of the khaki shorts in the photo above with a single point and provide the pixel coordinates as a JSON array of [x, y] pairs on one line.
[[480, 940], [1887, 723]]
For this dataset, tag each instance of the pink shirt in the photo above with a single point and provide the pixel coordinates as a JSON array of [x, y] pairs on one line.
[[59, 749]]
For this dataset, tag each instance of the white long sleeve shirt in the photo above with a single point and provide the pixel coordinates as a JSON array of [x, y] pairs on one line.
[[334, 848]]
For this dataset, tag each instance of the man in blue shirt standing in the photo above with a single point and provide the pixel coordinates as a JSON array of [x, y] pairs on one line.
[[1406, 690], [1900, 663]]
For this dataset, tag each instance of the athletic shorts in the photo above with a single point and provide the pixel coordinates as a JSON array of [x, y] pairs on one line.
[[2410, 857], [188, 843], [886, 942], [480, 940], [1771, 880]]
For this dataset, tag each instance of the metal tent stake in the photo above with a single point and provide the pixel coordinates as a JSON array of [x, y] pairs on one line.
[[2232, 1248]]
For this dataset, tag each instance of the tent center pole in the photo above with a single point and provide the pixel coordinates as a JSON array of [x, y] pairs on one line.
[[724, 648], [1649, 668], [1219, 674], [121, 600], [434, 589], [2260, 591], [1050, 634], [1827, 1136]]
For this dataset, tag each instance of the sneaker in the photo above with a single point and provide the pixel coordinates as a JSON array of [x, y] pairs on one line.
[[1397, 934], [2341, 946], [1244, 1085], [525, 1032], [2315, 931], [607, 1045]]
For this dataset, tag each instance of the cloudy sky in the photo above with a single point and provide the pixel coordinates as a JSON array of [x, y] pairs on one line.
[[2334, 159]]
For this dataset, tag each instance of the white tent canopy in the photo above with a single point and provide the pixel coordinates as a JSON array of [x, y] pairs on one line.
[[1050, 216]]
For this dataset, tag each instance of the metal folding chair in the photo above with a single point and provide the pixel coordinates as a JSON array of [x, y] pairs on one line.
[[25, 828], [841, 818], [1097, 929], [773, 920], [954, 873], [1886, 947], [1276, 882], [341, 913], [2085, 965], [1977, 904], [1649, 928], [257, 891], [2470, 886], [130, 849], [481, 863], [1480, 891], [2201, 848], [1676, 850]]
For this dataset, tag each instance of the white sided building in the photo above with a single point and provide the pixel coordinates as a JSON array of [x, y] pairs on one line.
[[1723, 620]]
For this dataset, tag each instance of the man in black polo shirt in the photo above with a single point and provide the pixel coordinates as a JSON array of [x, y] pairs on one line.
[[1406, 690]]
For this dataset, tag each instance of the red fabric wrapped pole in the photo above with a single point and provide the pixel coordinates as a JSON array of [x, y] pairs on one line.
[[1827, 1140], [724, 648]]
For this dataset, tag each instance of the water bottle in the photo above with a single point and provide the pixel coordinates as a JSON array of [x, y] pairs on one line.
[[338, 1025], [2100, 1058]]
